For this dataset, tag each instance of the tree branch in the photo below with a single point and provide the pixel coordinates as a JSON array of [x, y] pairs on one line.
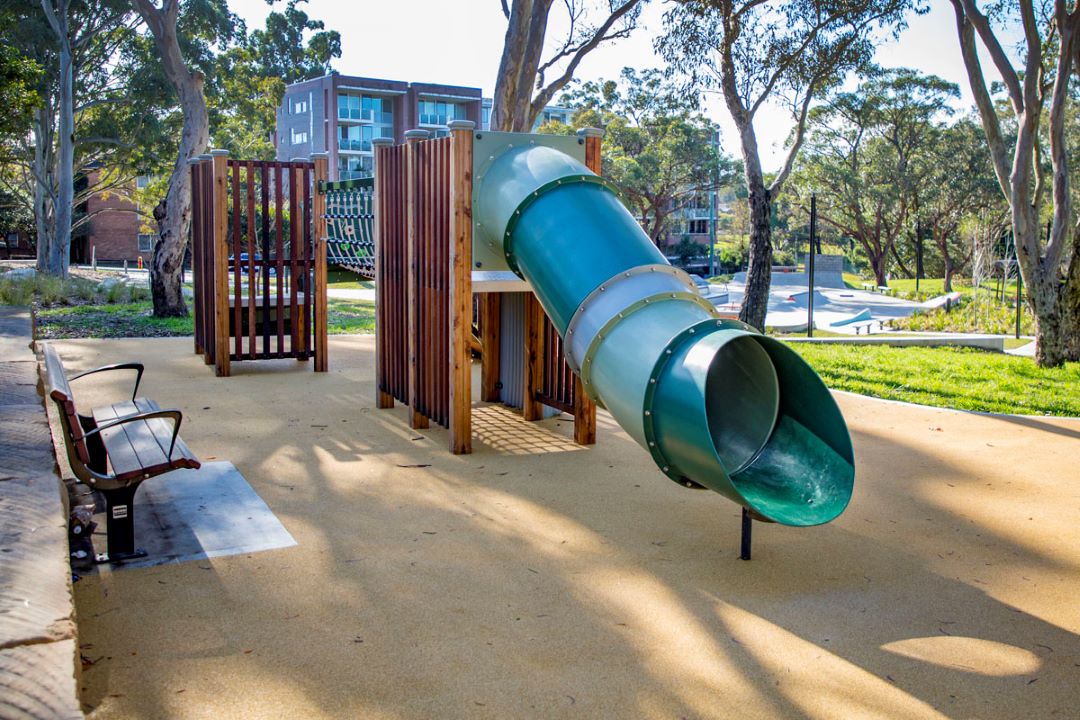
[[546, 94]]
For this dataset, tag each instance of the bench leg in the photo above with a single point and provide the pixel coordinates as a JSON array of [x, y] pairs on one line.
[[120, 526]]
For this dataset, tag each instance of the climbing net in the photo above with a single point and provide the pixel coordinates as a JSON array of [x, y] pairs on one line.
[[350, 225]]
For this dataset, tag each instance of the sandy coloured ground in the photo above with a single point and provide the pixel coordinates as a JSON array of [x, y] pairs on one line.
[[536, 579]]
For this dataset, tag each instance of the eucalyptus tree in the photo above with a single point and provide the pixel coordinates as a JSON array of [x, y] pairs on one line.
[[863, 152], [759, 52], [72, 42], [205, 22], [658, 150], [531, 71], [958, 188], [1038, 92], [249, 78]]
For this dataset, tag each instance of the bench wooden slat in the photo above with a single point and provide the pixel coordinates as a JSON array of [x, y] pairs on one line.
[[163, 432], [141, 448], [131, 447]]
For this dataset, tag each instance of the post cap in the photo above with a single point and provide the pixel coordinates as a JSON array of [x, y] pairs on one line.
[[382, 142], [417, 134], [320, 156], [219, 153], [204, 156], [461, 125], [299, 159], [590, 132]]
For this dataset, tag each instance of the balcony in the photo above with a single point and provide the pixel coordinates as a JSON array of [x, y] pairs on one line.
[[351, 145], [435, 118], [365, 116], [353, 174]]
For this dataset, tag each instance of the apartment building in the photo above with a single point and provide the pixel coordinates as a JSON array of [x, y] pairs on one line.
[[342, 114]]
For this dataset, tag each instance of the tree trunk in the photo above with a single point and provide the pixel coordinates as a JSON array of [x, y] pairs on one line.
[[522, 48], [59, 235], [42, 180], [173, 214], [755, 304], [880, 264], [60, 247]]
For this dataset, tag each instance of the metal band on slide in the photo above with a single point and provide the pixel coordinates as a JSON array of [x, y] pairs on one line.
[[594, 346], [613, 296]]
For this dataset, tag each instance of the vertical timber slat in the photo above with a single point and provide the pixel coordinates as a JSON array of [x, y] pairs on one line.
[[251, 248], [296, 242], [490, 319], [320, 310], [584, 407], [381, 191], [460, 287], [417, 420], [532, 408], [237, 302], [221, 262]]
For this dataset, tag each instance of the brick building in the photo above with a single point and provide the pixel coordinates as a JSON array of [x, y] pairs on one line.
[[113, 233]]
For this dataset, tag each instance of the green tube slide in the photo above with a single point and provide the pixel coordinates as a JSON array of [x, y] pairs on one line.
[[717, 404]]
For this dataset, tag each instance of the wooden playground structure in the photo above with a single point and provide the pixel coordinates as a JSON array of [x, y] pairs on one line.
[[259, 255], [258, 244], [427, 300]]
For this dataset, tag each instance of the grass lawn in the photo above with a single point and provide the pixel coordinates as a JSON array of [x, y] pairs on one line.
[[108, 321], [960, 378], [350, 317], [135, 320]]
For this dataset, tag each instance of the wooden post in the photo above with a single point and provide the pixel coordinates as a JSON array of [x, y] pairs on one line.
[[208, 257], [196, 219], [461, 163], [221, 262], [383, 400], [532, 408], [297, 239], [490, 319], [417, 419], [584, 407], [318, 211]]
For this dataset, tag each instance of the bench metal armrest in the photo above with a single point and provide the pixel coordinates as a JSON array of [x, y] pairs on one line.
[[136, 366], [175, 415]]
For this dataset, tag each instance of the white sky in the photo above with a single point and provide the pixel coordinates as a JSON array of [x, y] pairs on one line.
[[459, 43]]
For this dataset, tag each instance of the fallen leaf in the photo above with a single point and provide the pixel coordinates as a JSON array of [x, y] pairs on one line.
[[418, 465]]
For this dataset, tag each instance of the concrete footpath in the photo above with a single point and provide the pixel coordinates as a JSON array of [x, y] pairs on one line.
[[537, 579], [38, 653]]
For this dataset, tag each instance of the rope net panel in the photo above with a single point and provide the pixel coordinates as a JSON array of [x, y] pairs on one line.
[[350, 225]]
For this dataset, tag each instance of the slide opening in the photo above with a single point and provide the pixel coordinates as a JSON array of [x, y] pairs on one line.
[[798, 477], [742, 401]]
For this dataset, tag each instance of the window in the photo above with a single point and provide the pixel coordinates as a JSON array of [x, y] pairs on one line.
[[485, 119], [299, 136], [434, 112], [697, 227], [366, 108], [351, 167], [299, 107], [142, 181], [146, 242]]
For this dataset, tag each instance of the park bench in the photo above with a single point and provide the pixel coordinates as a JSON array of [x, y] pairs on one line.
[[116, 447]]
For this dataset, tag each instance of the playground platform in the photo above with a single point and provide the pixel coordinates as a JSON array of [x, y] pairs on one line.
[[536, 578]]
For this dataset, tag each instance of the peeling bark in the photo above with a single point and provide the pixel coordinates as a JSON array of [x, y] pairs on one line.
[[173, 214]]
